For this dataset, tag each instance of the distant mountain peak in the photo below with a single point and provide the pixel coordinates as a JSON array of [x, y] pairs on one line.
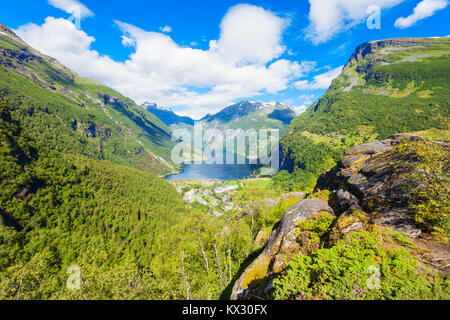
[[266, 104], [166, 115], [253, 113], [155, 106]]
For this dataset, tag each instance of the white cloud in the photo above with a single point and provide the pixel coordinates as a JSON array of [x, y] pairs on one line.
[[166, 29], [424, 9], [288, 101], [128, 42], [300, 109], [330, 17], [307, 99], [72, 7], [251, 34], [321, 81], [164, 72]]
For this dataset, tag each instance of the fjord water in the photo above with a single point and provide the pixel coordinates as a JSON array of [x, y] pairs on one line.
[[221, 171], [212, 172]]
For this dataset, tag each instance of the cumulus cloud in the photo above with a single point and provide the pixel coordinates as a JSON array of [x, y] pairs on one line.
[[161, 71], [321, 81], [330, 17], [128, 42], [424, 9], [251, 34], [300, 109], [306, 100], [72, 7], [166, 29]]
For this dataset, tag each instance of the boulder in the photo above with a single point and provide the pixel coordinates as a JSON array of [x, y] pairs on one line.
[[282, 246], [372, 178]]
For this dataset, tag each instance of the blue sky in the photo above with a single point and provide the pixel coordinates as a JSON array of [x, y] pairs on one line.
[[199, 56]]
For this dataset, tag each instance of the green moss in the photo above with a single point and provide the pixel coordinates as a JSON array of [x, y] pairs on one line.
[[403, 240], [344, 221], [310, 232], [430, 198], [322, 194], [257, 272], [316, 225]]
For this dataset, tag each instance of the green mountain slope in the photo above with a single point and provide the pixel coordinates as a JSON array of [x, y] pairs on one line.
[[389, 86], [58, 209], [75, 115], [75, 194], [128, 232]]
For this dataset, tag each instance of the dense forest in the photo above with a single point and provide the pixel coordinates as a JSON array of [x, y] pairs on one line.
[[81, 192], [129, 231]]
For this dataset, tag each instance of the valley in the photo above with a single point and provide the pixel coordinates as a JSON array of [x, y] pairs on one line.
[[363, 185]]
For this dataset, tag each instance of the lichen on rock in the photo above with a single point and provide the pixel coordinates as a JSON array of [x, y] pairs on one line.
[[282, 246]]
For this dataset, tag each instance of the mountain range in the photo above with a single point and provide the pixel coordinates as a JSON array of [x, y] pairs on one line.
[[167, 116], [80, 192], [252, 115], [242, 115]]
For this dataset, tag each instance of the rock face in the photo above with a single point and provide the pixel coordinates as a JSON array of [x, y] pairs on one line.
[[91, 130], [367, 187], [372, 47], [371, 178], [282, 246]]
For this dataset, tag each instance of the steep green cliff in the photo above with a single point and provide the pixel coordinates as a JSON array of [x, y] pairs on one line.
[[76, 115], [387, 87]]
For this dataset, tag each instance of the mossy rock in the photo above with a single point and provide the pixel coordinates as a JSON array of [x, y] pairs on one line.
[[345, 224]]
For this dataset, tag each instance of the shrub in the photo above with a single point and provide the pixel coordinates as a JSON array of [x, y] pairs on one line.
[[353, 269]]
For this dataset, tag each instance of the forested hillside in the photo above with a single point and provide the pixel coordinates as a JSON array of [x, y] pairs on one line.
[[387, 87], [128, 231], [75, 115], [80, 191], [75, 191]]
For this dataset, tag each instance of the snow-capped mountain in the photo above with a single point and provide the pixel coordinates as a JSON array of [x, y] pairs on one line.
[[167, 116], [253, 114]]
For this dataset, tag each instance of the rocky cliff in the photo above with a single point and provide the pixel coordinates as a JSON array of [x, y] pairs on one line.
[[367, 188]]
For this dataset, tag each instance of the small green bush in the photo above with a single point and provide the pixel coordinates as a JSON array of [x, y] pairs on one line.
[[349, 270]]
